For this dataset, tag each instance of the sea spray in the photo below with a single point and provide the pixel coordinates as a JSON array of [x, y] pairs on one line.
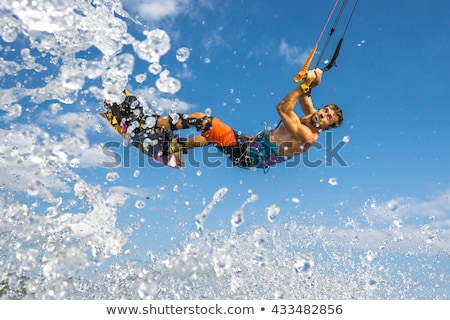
[[238, 216], [200, 218]]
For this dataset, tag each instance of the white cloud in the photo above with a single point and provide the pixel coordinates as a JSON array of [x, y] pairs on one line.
[[292, 54], [156, 9], [434, 208], [408, 224], [153, 97], [212, 40]]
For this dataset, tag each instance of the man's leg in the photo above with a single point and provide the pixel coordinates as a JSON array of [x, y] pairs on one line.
[[220, 134], [184, 121], [197, 120]]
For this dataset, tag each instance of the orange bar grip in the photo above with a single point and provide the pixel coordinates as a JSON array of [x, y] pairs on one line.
[[301, 74]]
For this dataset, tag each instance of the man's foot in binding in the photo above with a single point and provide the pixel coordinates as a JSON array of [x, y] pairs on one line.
[[177, 145]]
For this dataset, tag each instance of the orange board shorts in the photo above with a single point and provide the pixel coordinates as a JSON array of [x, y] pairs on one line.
[[220, 134]]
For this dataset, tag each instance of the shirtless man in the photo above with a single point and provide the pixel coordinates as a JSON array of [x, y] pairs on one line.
[[295, 136]]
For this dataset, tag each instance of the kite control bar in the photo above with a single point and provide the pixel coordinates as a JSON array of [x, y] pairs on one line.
[[333, 62]]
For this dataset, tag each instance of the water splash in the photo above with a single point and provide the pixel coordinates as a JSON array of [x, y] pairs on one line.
[[237, 218], [200, 218]]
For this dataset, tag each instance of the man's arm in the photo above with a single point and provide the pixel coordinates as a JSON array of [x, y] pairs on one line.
[[312, 79], [290, 119], [286, 108]]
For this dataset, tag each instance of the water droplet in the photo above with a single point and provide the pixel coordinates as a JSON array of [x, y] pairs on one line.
[[260, 236], [222, 261], [14, 111], [183, 54], [174, 116], [200, 218], [346, 139], [112, 176], [207, 60], [199, 173], [272, 212], [430, 235], [99, 128], [155, 68], [140, 77], [218, 196], [150, 122], [159, 110], [156, 45], [65, 263], [168, 84], [333, 181], [74, 163], [136, 173], [259, 260], [140, 204], [304, 264], [51, 212], [55, 108], [148, 289], [371, 255], [392, 205], [279, 294], [398, 223], [9, 33], [238, 218]]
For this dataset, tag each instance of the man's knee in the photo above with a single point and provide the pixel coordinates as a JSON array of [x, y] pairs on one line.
[[197, 115], [182, 120], [199, 120]]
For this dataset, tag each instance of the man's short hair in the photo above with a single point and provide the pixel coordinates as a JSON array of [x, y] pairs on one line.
[[339, 114]]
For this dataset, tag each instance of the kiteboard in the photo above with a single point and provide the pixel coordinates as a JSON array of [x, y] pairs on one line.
[[137, 128]]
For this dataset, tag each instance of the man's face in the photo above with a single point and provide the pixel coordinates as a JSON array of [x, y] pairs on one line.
[[325, 117]]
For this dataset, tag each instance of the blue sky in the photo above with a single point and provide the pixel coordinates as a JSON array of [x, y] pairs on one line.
[[391, 82]]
